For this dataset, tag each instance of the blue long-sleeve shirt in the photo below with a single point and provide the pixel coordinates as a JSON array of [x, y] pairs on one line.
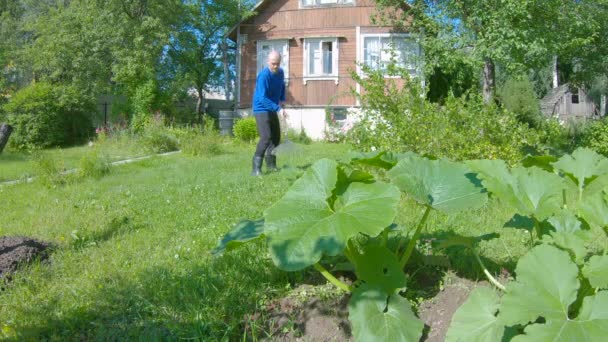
[[269, 91]]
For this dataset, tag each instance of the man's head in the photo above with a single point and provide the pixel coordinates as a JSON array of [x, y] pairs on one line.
[[274, 61]]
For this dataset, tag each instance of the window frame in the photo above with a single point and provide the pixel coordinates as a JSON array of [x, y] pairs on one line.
[[284, 55], [415, 72], [335, 59], [318, 4]]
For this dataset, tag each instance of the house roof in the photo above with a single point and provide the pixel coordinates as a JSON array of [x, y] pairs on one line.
[[232, 32]]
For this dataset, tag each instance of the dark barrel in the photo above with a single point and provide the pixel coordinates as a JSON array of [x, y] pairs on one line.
[[226, 118]]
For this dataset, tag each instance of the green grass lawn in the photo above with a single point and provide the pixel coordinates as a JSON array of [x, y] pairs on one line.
[[15, 165], [131, 258]]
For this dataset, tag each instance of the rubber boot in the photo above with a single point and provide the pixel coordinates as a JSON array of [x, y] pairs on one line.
[[256, 169], [271, 163]]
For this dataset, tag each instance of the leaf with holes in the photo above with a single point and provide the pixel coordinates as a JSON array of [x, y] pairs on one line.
[[312, 219], [475, 320], [378, 316], [378, 267], [591, 324], [444, 185], [596, 270], [244, 232], [531, 191]]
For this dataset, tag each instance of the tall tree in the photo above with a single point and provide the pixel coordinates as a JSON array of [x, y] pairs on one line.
[[515, 34], [195, 46]]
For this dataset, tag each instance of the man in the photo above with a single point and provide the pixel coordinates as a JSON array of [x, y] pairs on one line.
[[268, 100]]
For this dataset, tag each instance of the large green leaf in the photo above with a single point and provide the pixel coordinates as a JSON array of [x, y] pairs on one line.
[[382, 159], [378, 267], [475, 320], [446, 186], [591, 324], [542, 162], [596, 270], [308, 222], [565, 221], [582, 166], [463, 241], [377, 316], [531, 191], [574, 243], [244, 232], [546, 286], [596, 186], [594, 209]]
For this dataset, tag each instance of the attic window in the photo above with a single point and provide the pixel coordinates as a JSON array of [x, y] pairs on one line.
[[575, 97], [321, 3]]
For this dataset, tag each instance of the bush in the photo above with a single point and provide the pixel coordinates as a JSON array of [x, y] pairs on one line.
[[158, 140], [518, 97], [94, 164], [300, 138], [46, 115], [202, 145], [246, 129], [399, 118], [596, 137], [48, 170]]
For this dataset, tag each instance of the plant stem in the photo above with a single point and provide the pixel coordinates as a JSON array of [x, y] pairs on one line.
[[565, 206], [332, 279], [487, 273], [537, 228], [412, 243]]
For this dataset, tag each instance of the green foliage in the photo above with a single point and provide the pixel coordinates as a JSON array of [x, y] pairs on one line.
[[243, 232], [298, 137], [547, 287], [596, 137], [156, 138], [94, 164], [45, 115], [329, 212], [195, 143], [518, 96], [398, 118], [246, 129], [49, 170]]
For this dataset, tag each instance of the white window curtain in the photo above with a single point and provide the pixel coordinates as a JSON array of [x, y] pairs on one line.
[[380, 51], [321, 57], [264, 48]]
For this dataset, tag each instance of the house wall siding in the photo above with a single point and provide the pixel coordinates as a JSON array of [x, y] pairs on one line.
[[283, 19]]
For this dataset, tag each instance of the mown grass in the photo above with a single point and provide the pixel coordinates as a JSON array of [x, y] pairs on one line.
[[132, 262], [16, 165]]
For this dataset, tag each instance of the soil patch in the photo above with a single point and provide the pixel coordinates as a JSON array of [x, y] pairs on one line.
[[437, 312], [19, 250], [308, 315]]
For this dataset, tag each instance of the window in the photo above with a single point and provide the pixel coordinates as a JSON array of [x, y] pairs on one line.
[[575, 96], [318, 3], [379, 51], [266, 46], [321, 57]]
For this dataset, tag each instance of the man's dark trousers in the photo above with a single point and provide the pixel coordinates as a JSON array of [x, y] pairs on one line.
[[269, 130]]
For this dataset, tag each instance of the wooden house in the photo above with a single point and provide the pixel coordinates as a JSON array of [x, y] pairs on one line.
[[567, 102], [321, 42]]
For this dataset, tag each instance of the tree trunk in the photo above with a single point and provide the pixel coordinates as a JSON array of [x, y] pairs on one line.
[[489, 80], [5, 133], [227, 83], [555, 74], [199, 106], [602, 107]]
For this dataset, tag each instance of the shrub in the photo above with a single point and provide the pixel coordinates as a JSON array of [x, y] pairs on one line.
[[245, 129], [201, 145], [46, 115], [399, 118], [518, 96], [298, 137], [49, 171], [94, 164], [158, 140], [596, 137]]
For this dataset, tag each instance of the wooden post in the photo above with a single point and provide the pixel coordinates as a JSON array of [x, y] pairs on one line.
[[489, 80], [5, 133]]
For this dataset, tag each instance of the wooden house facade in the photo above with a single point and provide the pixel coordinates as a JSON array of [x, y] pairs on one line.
[[321, 42]]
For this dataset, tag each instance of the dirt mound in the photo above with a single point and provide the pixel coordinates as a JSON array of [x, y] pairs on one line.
[[18, 250]]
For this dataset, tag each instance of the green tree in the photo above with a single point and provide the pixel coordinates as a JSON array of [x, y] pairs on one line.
[[195, 46], [515, 34]]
